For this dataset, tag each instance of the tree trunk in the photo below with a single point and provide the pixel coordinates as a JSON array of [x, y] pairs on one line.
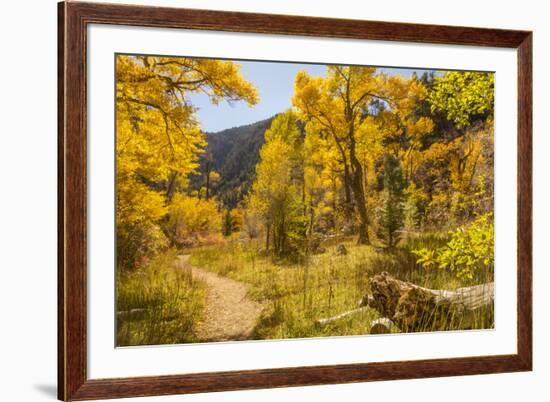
[[348, 205], [414, 308], [359, 195], [207, 196], [324, 321], [171, 186], [282, 237], [267, 230], [310, 229], [381, 326]]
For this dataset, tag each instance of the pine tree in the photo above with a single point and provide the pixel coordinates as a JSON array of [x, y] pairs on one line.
[[391, 210], [227, 225]]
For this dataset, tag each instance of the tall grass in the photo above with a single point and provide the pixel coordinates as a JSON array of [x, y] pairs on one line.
[[297, 295], [158, 304], [401, 262]]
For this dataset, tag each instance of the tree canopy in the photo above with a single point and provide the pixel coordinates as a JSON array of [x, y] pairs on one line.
[[159, 139]]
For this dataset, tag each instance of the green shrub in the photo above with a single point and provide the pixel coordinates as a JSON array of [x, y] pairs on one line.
[[469, 252]]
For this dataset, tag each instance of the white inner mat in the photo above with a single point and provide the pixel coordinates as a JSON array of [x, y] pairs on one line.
[[106, 361]]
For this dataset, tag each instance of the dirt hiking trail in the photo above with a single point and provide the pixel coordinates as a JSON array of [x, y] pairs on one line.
[[229, 313]]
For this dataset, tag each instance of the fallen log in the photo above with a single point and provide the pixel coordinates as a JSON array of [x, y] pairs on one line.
[[414, 308], [325, 321], [381, 326], [378, 326]]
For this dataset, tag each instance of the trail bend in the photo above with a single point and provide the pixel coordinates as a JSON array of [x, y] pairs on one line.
[[229, 313]]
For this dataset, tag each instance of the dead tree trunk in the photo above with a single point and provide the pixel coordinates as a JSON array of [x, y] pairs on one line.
[[381, 326], [414, 308], [324, 321]]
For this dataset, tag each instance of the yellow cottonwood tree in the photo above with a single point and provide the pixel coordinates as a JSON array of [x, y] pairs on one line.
[[321, 182], [335, 104], [400, 128], [339, 105], [158, 138], [277, 191]]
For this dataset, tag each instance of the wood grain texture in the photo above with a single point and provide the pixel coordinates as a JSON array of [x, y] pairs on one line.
[[60, 202], [525, 201], [73, 225], [300, 376], [296, 25], [74, 18]]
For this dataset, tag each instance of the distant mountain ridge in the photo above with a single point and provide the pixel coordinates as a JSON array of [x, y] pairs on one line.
[[234, 153]]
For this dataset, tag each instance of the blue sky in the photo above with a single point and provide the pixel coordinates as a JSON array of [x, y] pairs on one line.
[[275, 84]]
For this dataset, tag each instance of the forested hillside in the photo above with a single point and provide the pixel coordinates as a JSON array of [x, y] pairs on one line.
[[230, 160]]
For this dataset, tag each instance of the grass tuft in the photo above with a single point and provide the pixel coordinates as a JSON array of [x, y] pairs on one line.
[[158, 304]]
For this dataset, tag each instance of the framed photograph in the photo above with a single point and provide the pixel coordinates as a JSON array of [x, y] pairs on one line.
[[254, 201]]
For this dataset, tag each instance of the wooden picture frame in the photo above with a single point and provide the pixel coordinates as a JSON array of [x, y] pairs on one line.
[[73, 382]]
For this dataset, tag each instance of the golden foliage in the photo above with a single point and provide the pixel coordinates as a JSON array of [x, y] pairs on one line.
[[158, 138]]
